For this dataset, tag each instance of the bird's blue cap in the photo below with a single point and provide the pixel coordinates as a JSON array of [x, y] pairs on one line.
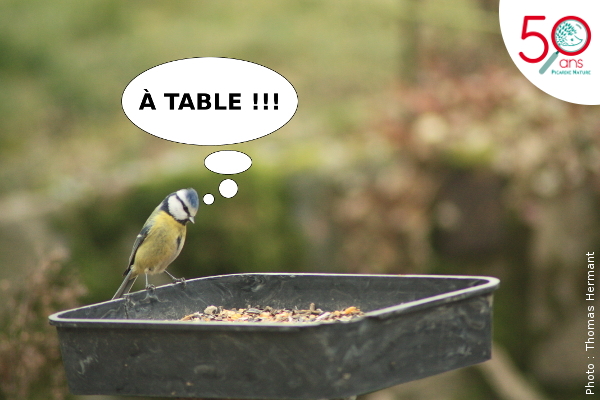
[[192, 197]]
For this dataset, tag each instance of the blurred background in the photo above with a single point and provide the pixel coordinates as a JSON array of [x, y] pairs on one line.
[[417, 147]]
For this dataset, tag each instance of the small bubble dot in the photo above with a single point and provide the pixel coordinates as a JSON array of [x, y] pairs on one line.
[[228, 188], [208, 198]]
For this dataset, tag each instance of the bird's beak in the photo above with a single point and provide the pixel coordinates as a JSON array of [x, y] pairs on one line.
[[192, 219]]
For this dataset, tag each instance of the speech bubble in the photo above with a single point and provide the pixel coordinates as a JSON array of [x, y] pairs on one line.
[[228, 162], [209, 101]]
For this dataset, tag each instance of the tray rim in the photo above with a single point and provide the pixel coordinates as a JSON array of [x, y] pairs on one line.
[[488, 286]]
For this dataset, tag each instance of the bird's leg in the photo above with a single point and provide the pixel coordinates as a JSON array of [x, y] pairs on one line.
[[148, 285], [176, 280]]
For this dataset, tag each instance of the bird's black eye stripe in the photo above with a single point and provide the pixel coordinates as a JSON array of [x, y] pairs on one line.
[[183, 204]]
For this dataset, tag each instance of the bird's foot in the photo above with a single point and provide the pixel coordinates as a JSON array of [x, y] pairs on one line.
[[176, 280], [150, 288], [180, 280]]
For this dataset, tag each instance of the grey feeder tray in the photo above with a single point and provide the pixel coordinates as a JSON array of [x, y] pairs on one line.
[[415, 326]]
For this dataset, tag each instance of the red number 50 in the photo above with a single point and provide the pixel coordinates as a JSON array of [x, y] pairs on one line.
[[525, 35]]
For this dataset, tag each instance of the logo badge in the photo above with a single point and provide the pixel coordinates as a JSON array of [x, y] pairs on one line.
[[552, 46]]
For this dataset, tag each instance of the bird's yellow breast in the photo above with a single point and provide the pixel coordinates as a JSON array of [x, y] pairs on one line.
[[161, 246]]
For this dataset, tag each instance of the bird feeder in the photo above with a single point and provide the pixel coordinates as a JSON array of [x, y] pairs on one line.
[[414, 326]]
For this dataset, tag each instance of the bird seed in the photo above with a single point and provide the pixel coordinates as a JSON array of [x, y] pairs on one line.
[[270, 315]]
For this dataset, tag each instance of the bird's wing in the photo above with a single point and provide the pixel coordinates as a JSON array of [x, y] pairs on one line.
[[141, 237], [136, 245]]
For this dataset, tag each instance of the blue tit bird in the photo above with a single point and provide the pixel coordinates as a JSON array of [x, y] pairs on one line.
[[161, 239]]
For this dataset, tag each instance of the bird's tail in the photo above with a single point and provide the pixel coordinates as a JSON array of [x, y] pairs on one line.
[[126, 285]]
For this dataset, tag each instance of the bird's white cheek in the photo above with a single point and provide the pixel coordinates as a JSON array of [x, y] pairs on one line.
[[176, 209]]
